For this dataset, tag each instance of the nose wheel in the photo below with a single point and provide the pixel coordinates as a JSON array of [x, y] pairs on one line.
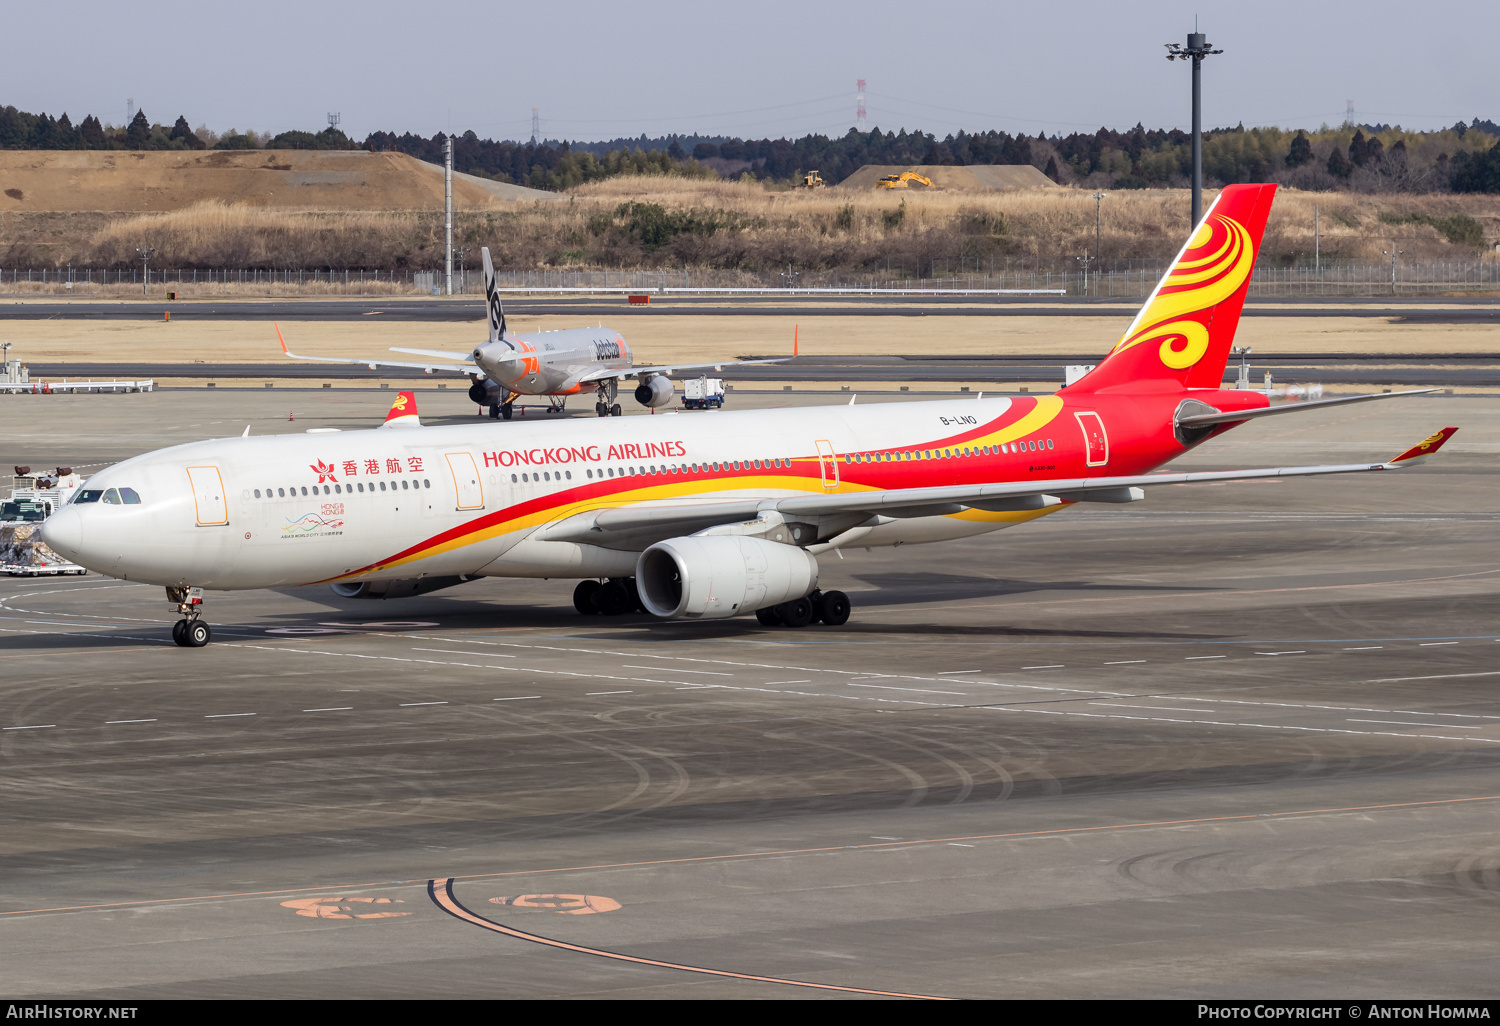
[[190, 631]]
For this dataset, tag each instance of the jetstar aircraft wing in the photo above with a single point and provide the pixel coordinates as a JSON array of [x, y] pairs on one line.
[[445, 354], [603, 526], [669, 369], [377, 364]]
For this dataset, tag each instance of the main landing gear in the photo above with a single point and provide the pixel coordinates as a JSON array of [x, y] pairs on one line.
[[498, 410], [830, 607], [606, 406], [190, 631], [615, 597]]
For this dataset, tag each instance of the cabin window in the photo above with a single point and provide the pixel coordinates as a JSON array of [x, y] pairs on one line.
[[382, 486], [569, 474], [404, 485], [513, 479], [589, 474], [257, 493], [1049, 443]]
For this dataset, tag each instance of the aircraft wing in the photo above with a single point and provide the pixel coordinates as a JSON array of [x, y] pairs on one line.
[[441, 353], [669, 369], [375, 364], [637, 524]]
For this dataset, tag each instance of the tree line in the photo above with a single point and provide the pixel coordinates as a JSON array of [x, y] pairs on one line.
[[1360, 158]]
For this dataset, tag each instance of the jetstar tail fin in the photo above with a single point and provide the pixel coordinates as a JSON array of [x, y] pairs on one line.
[[492, 297], [403, 412], [1183, 333]]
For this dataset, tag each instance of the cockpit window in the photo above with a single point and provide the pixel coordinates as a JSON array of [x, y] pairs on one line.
[[130, 497], [89, 495], [112, 497]]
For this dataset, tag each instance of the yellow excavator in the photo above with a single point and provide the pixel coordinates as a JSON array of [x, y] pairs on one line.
[[903, 180]]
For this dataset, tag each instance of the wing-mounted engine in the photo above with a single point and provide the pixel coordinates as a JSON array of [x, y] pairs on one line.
[[396, 589], [715, 576], [655, 391]]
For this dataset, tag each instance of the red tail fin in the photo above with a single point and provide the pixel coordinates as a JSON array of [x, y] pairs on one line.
[[1181, 337], [403, 411]]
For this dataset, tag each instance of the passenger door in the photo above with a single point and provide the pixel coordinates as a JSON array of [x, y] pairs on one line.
[[829, 464], [1096, 442], [208, 496], [467, 488]]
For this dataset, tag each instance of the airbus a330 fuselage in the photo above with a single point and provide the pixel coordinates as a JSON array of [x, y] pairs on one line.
[[698, 516]]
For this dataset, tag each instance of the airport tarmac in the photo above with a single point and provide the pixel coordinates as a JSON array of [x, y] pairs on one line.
[[1235, 741]]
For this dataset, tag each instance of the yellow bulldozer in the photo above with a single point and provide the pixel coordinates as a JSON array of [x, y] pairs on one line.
[[903, 180], [812, 180]]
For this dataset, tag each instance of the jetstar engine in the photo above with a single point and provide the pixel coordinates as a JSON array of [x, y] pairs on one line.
[[714, 577], [654, 391], [395, 589]]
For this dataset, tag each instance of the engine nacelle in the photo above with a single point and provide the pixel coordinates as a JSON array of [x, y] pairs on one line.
[[715, 577], [395, 589], [655, 391]]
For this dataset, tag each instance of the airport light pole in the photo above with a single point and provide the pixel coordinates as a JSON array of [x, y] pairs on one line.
[[1393, 254], [1098, 199], [145, 265], [448, 209], [1196, 50]]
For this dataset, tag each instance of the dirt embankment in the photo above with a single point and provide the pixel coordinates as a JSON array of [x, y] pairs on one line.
[[320, 210]]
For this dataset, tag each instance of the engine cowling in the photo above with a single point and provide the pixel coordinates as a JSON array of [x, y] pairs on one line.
[[395, 589], [714, 577], [655, 391]]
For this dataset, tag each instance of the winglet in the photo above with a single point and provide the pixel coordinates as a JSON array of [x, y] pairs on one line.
[[403, 412], [284, 349], [1423, 449]]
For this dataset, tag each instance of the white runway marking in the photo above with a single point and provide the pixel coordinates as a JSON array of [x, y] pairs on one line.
[[332, 708], [113, 722], [225, 716], [515, 698], [1191, 658]]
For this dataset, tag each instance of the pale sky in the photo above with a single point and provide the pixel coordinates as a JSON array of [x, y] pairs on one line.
[[600, 69]]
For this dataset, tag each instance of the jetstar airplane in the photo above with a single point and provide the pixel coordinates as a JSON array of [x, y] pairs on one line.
[[694, 518], [556, 364]]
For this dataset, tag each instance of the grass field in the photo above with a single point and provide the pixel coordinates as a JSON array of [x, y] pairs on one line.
[[732, 227]]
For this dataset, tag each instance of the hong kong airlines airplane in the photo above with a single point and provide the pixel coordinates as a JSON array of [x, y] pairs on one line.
[[690, 517]]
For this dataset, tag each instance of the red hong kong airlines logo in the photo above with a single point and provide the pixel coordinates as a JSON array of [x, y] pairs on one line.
[[324, 472]]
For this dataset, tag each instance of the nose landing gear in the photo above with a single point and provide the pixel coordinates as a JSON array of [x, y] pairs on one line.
[[190, 631]]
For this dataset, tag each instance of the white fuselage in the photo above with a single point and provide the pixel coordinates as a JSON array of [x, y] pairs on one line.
[[283, 510]]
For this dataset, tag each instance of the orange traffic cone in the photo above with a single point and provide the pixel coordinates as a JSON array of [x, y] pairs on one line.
[[290, 417], [166, 315]]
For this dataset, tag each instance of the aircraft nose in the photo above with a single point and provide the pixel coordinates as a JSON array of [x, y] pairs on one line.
[[63, 532]]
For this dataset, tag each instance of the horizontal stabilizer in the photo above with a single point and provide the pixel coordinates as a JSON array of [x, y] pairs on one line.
[[1235, 416]]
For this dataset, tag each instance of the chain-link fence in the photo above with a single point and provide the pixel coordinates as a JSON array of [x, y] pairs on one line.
[[1119, 279]]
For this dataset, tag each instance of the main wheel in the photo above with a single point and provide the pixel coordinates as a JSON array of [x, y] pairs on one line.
[[505, 410], [636, 605], [796, 613], [196, 634], [602, 409], [612, 599], [768, 617], [177, 629], [583, 597], [615, 411], [835, 608], [494, 412]]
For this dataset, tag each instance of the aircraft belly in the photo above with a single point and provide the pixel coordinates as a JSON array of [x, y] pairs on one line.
[[532, 558], [945, 528]]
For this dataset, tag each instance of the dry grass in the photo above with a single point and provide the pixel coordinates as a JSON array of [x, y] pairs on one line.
[[744, 227]]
